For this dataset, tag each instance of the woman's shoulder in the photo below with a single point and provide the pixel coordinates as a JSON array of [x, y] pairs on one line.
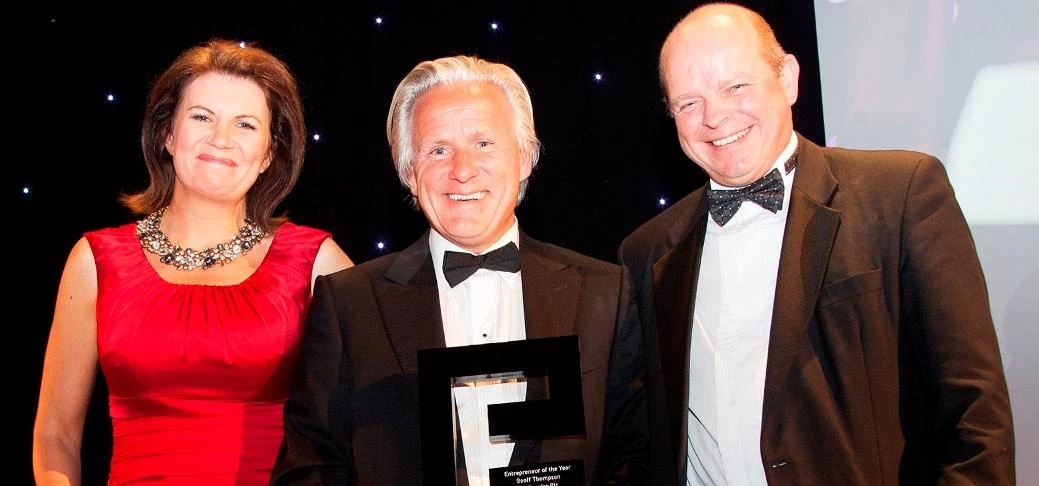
[[298, 239], [110, 235], [114, 247], [297, 232]]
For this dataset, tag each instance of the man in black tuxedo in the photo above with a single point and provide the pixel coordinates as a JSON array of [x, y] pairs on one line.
[[812, 316], [461, 132]]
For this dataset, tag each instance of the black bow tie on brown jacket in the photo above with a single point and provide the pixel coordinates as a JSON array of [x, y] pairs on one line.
[[458, 266], [767, 192]]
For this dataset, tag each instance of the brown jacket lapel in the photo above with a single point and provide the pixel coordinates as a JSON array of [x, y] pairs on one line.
[[810, 230], [674, 284]]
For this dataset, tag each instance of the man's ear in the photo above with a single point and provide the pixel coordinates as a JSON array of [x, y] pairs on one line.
[[409, 180], [526, 165], [788, 75]]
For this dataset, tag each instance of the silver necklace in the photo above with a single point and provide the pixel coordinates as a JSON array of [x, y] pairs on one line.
[[155, 241]]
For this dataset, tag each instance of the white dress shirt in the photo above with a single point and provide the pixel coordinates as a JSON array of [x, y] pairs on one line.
[[729, 344], [486, 308]]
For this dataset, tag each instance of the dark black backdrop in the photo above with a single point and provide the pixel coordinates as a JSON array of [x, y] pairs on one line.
[[610, 151]]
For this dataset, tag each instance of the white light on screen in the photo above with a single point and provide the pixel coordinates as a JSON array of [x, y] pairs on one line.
[[993, 138]]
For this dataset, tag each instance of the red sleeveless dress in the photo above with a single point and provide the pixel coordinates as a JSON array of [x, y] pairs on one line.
[[197, 374]]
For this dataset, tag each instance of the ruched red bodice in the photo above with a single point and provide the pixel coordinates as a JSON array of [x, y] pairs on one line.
[[197, 374]]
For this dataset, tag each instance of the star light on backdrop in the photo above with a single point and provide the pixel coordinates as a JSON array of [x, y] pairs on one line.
[[381, 246], [608, 146], [495, 26]]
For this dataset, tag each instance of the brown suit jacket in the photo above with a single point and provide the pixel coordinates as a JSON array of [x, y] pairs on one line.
[[353, 414], [883, 366]]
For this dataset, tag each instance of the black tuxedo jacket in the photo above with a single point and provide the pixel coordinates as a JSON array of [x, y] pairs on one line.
[[353, 414], [883, 366]]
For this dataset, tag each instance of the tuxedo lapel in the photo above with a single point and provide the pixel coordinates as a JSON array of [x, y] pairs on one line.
[[810, 230], [674, 284], [550, 293], [410, 306]]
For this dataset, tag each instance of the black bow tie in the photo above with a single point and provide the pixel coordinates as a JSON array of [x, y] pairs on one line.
[[766, 192], [458, 266]]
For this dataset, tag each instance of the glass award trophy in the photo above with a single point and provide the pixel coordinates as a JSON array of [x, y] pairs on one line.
[[553, 409]]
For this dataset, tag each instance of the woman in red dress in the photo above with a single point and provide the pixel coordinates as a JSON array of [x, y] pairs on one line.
[[194, 313]]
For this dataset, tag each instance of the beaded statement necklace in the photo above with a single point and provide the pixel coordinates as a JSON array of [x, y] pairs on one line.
[[155, 241]]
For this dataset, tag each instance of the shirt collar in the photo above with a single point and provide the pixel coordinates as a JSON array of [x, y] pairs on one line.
[[438, 245]]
